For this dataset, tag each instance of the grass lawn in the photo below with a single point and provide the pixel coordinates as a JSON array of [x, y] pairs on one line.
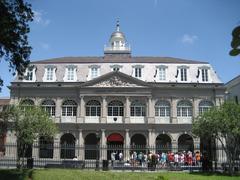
[[66, 174]]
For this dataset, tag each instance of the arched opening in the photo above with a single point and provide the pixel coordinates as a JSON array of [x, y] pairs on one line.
[[138, 143], [163, 143], [45, 147], [114, 145], [69, 108], [91, 146], [67, 146], [185, 143], [49, 106]]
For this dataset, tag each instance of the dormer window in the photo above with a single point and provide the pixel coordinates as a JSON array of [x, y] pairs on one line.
[[29, 74], [70, 73], [161, 72], [50, 74], [182, 73], [203, 74], [138, 71], [94, 71], [116, 67]]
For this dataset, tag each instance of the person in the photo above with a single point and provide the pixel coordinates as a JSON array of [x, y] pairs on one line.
[[198, 158], [120, 156], [113, 154]]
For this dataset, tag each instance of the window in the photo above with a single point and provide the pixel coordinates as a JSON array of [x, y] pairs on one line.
[[70, 73], [138, 108], [50, 73], [115, 108], [183, 74], [49, 76], [29, 76], [162, 74], [138, 72], [116, 67], [94, 72], [184, 109], [205, 106], [162, 109], [49, 107], [93, 108], [26, 103], [69, 108], [204, 75]]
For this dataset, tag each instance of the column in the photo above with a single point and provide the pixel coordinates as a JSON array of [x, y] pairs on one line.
[[80, 145], [150, 110], [11, 145], [174, 142], [196, 142], [151, 139], [174, 111], [104, 110], [103, 145], [127, 110], [35, 149], [58, 110], [195, 107], [57, 147], [127, 146], [82, 109]]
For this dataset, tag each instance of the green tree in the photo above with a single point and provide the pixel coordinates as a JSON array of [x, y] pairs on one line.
[[14, 18], [223, 124], [235, 44], [28, 123]]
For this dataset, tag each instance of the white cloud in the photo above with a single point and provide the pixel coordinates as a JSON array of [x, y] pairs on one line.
[[40, 19], [44, 45], [189, 39]]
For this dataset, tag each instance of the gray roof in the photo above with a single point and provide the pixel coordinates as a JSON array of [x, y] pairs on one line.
[[120, 58]]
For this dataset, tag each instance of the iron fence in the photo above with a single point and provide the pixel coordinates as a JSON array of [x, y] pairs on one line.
[[116, 157]]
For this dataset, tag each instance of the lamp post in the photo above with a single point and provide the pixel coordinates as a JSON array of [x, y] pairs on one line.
[[97, 151]]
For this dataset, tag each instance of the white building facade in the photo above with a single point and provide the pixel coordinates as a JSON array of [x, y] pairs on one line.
[[119, 99]]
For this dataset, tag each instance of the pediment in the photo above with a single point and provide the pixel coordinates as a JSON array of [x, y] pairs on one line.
[[115, 79]]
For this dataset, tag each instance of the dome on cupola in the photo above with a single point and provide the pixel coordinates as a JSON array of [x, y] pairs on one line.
[[117, 42]]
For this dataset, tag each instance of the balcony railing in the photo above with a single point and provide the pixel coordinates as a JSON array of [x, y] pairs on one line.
[[162, 120], [114, 119], [92, 119]]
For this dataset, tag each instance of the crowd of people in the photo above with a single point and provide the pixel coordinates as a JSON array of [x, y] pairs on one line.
[[159, 159]]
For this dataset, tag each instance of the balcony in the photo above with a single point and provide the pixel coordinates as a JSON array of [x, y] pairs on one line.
[[68, 119], [114, 119], [184, 120], [137, 119], [92, 119], [162, 120]]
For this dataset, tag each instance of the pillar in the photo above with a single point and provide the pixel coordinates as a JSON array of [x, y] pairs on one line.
[[127, 110], [35, 149], [127, 146], [196, 142], [82, 109], [103, 145], [57, 147], [174, 111], [104, 110], [150, 110], [80, 145], [58, 110]]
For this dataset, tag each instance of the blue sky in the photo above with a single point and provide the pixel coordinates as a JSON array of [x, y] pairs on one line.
[[197, 30]]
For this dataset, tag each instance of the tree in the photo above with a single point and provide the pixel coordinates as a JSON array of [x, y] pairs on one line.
[[235, 44], [14, 18], [28, 123], [223, 124]]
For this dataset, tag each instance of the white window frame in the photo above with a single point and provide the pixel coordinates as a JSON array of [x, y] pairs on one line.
[[204, 106], [116, 67], [91, 68], [183, 73], [184, 110], [161, 73], [30, 70], [137, 109], [162, 108], [204, 74], [46, 73], [70, 71], [70, 109], [138, 71]]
